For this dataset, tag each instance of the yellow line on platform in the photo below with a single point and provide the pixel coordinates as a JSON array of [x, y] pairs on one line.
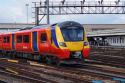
[[14, 61], [10, 70]]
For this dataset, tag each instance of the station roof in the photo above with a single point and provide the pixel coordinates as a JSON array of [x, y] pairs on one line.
[[90, 27], [113, 32], [14, 25]]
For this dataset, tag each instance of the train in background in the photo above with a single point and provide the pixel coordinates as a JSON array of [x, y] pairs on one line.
[[64, 42]]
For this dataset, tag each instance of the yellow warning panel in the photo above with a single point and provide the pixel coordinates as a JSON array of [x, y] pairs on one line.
[[3, 58], [36, 64], [14, 61], [11, 70]]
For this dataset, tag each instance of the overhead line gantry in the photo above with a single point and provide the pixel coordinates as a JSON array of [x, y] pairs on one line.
[[82, 7]]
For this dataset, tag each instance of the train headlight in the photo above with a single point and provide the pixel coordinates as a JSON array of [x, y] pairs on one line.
[[62, 44], [86, 43]]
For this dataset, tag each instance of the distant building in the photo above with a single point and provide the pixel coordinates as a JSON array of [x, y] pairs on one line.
[[10, 27], [114, 37], [101, 27]]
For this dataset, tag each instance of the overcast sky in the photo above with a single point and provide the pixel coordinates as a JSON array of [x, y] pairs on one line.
[[12, 11]]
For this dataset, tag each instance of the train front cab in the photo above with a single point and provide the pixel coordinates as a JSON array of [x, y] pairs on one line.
[[72, 41]]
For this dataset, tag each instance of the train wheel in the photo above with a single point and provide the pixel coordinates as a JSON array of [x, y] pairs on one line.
[[13, 54], [43, 58], [48, 60], [40, 59], [56, 61]]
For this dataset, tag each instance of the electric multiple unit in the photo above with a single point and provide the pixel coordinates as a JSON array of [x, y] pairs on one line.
[[62, 42]]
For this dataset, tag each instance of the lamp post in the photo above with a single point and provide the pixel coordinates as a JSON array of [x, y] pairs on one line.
[[27, 12]]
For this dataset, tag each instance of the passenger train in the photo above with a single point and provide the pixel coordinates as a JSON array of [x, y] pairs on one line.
[[64, 42]]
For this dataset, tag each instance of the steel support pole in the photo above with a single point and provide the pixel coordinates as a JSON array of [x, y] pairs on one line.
[[27, 12], [48, 19], [37, 16]]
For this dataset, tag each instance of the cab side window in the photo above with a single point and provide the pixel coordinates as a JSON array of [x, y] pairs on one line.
[[19, 39], [0, 39], [43, 37], [4, 39], [26, 38]]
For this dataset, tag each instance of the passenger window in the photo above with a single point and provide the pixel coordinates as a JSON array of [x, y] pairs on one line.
[[8, 39], [19, 39], [0, 39], [4, 39], [43, 37], [26, 38]]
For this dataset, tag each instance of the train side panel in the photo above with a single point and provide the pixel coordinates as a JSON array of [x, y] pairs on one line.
[[60, 52], [7, 42], [44, 41], [47, 44], [27, 41], [86, 46], [1, 42], [23, 42], [18, 42]]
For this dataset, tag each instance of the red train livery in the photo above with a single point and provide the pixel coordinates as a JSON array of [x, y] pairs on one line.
[[64, 42]]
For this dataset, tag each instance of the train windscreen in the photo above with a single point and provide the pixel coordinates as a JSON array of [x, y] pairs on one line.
[[72, 34]]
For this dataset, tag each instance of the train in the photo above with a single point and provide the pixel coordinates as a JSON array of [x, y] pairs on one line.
[[64, 42]]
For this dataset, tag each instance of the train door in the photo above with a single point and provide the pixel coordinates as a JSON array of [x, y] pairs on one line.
[[34, 41], [27, 42], [7, 42], [1, 42], [43, 43], [13, 44], [19, 42]]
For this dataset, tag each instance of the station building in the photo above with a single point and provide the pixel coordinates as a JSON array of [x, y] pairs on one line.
[[10, 27], [106, 34], [114, 37]]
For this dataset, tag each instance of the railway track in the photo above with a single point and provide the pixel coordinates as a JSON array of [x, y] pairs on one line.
[[103, 61], [9, 77], [93, 71], [107, 60], [116, 52], [30, 77], [105, 70], [44, 73], [54, 72], [108, 56]]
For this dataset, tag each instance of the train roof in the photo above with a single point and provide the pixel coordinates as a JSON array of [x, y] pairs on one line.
[[36, 28], [28, 29], [69, 23], [62, 25]]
